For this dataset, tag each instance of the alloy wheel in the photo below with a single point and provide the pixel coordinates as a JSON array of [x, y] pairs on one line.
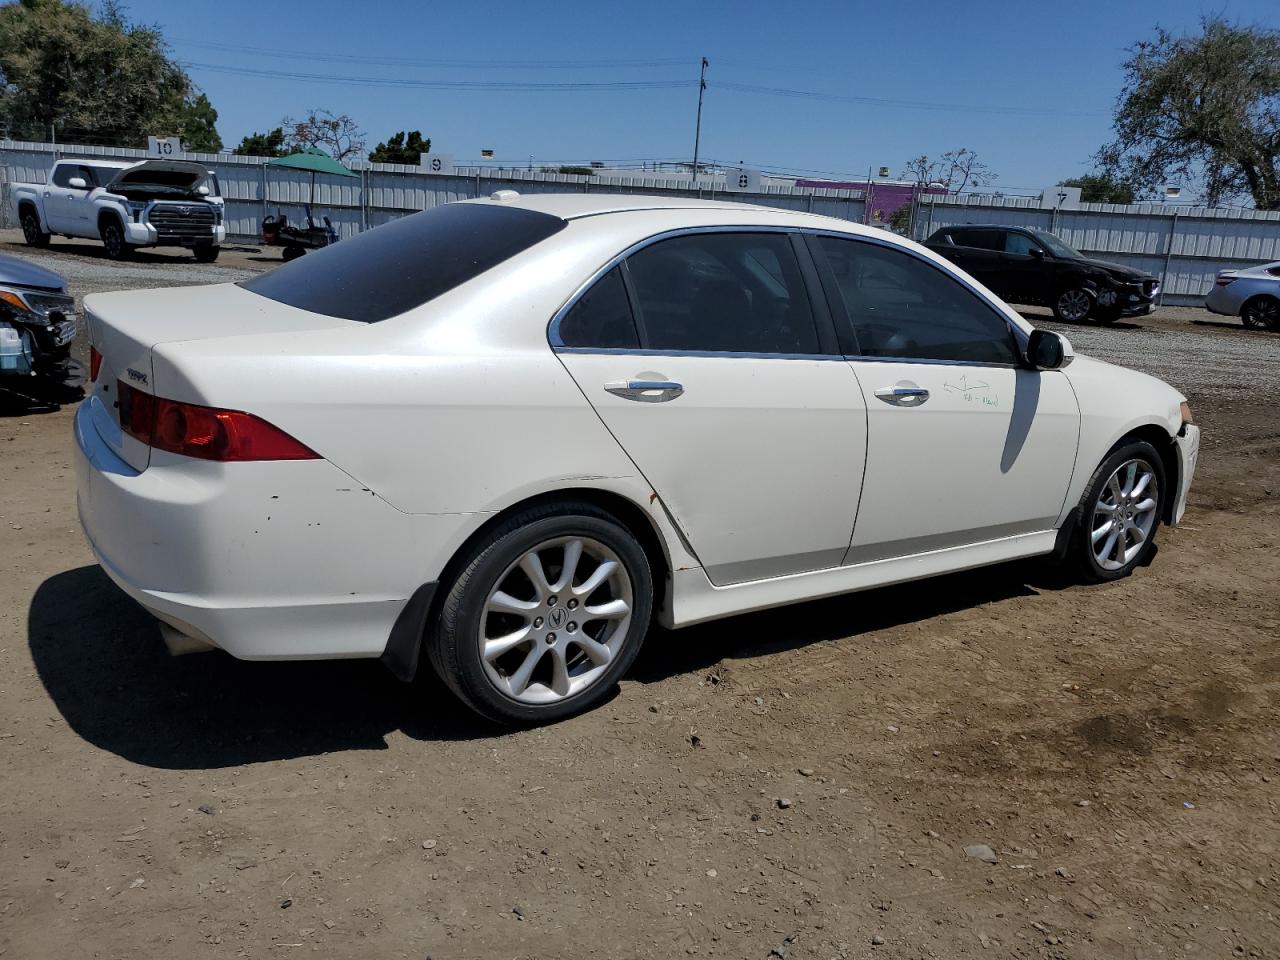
[[1262, 314], [1125, 514], [555, 619], [1074, 305], [31, 229]]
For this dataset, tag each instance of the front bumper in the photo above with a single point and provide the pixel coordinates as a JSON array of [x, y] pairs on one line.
[[267, 560], [1188, 444], [145, 235]]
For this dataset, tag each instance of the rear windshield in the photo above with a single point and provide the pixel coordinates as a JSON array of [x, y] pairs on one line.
[[403, 264]]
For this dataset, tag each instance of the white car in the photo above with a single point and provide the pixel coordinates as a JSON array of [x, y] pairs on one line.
[[509, 432]]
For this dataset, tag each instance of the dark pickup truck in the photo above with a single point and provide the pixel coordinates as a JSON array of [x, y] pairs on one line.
[[1022, 265]]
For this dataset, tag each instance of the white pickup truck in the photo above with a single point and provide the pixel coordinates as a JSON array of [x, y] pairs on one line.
[[146, 203]]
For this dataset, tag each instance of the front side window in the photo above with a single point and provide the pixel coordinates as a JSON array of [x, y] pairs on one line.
[[63, 173], [1020, 244], [723, 292], [901, 306], [602, 317]]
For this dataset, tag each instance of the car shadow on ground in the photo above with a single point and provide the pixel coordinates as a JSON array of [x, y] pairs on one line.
[[101, 658], [1034, 316], [1235, 325], [103, 663], [849, 616]]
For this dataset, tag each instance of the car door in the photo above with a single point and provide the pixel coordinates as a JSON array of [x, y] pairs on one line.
[[718, 373], [64, 204], [983, 254], [964, 444], [1028, 269]]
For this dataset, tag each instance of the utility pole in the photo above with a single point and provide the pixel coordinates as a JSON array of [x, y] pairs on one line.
[[697, 130]]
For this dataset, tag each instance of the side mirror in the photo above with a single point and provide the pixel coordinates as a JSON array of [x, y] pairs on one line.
[[202, 190], [1047, 350], [1035, 253], [78, 183]]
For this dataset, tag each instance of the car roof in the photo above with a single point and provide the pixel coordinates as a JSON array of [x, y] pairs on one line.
[[577, 206], [98, 162]]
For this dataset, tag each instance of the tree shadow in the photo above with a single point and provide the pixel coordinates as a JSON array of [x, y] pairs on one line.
[[694, 649], [101, 658]]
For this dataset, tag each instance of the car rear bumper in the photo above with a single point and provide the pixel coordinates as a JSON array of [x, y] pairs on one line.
[[1188, 444], [267, 560], [1222, 300]]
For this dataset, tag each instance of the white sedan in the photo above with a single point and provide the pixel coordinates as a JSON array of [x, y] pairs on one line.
[[511, 432]]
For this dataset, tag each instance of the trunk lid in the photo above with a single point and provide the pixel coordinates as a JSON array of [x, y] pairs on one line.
[[125, 327]]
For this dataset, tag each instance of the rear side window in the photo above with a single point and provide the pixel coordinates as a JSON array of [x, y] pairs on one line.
[[602, 317], [723, 292], [405, 263], [979, 239], [903, 307]]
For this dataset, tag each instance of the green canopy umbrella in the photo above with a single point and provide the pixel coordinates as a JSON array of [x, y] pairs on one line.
[[313, 160]]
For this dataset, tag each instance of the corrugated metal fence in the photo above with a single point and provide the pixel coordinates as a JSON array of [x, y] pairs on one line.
[[1185, 246]]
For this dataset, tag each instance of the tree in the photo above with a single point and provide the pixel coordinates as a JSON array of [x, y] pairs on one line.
[[955, 170], [1201, 110], [340, 136], [196, 127], [69, 75], [1100, 188], [269, 144], [401, 148]]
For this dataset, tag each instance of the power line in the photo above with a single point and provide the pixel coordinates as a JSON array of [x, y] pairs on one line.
[[457, 64], [508, 85], [908, 104]]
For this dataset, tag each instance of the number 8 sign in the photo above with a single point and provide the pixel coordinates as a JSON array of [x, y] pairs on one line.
[[437, 163], [742, 181]]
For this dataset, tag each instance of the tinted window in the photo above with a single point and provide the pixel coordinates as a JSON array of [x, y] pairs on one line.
[[980, 239], [902, 306], [403, 264], [1019, 243], [735, 292], [601, 317], [65, 171]]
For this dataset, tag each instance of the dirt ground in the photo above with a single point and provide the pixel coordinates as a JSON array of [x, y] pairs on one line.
[[800, 783]]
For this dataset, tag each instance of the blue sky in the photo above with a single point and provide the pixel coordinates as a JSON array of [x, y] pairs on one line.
[[1028, 85]]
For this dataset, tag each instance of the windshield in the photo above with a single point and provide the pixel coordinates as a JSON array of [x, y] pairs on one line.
[[1057, 247], [402, 264]]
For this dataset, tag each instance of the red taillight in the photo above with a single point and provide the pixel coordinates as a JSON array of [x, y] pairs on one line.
[[1223, 281], [204, 432], [95, 364]]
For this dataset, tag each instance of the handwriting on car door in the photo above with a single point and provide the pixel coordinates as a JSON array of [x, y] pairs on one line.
[[973, 391]]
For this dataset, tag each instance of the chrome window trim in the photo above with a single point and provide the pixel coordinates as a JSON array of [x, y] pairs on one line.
[[713, 354], [558, 345]]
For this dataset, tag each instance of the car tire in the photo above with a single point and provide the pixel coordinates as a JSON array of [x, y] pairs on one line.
[[206, 252], [1072, 305], [31, 232], [513, 637], [1261, 313], [113, 240], [1098, 550]]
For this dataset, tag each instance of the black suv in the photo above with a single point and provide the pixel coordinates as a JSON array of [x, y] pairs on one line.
[[1022, 265]]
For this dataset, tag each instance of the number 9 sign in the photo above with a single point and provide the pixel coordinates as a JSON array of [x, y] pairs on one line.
[[437, 163]]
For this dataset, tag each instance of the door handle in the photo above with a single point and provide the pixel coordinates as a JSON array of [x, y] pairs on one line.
[[903, 396], [646, 391]]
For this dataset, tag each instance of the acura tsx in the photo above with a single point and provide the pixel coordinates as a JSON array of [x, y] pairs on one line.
[[510, 433]]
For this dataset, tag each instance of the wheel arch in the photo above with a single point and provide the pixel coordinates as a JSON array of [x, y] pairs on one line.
[[105, 216], [25, 204], [404, 647], [1166, 446]]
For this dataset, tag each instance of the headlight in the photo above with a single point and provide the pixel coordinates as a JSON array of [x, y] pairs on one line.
[[135, 209], [15, 300]]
